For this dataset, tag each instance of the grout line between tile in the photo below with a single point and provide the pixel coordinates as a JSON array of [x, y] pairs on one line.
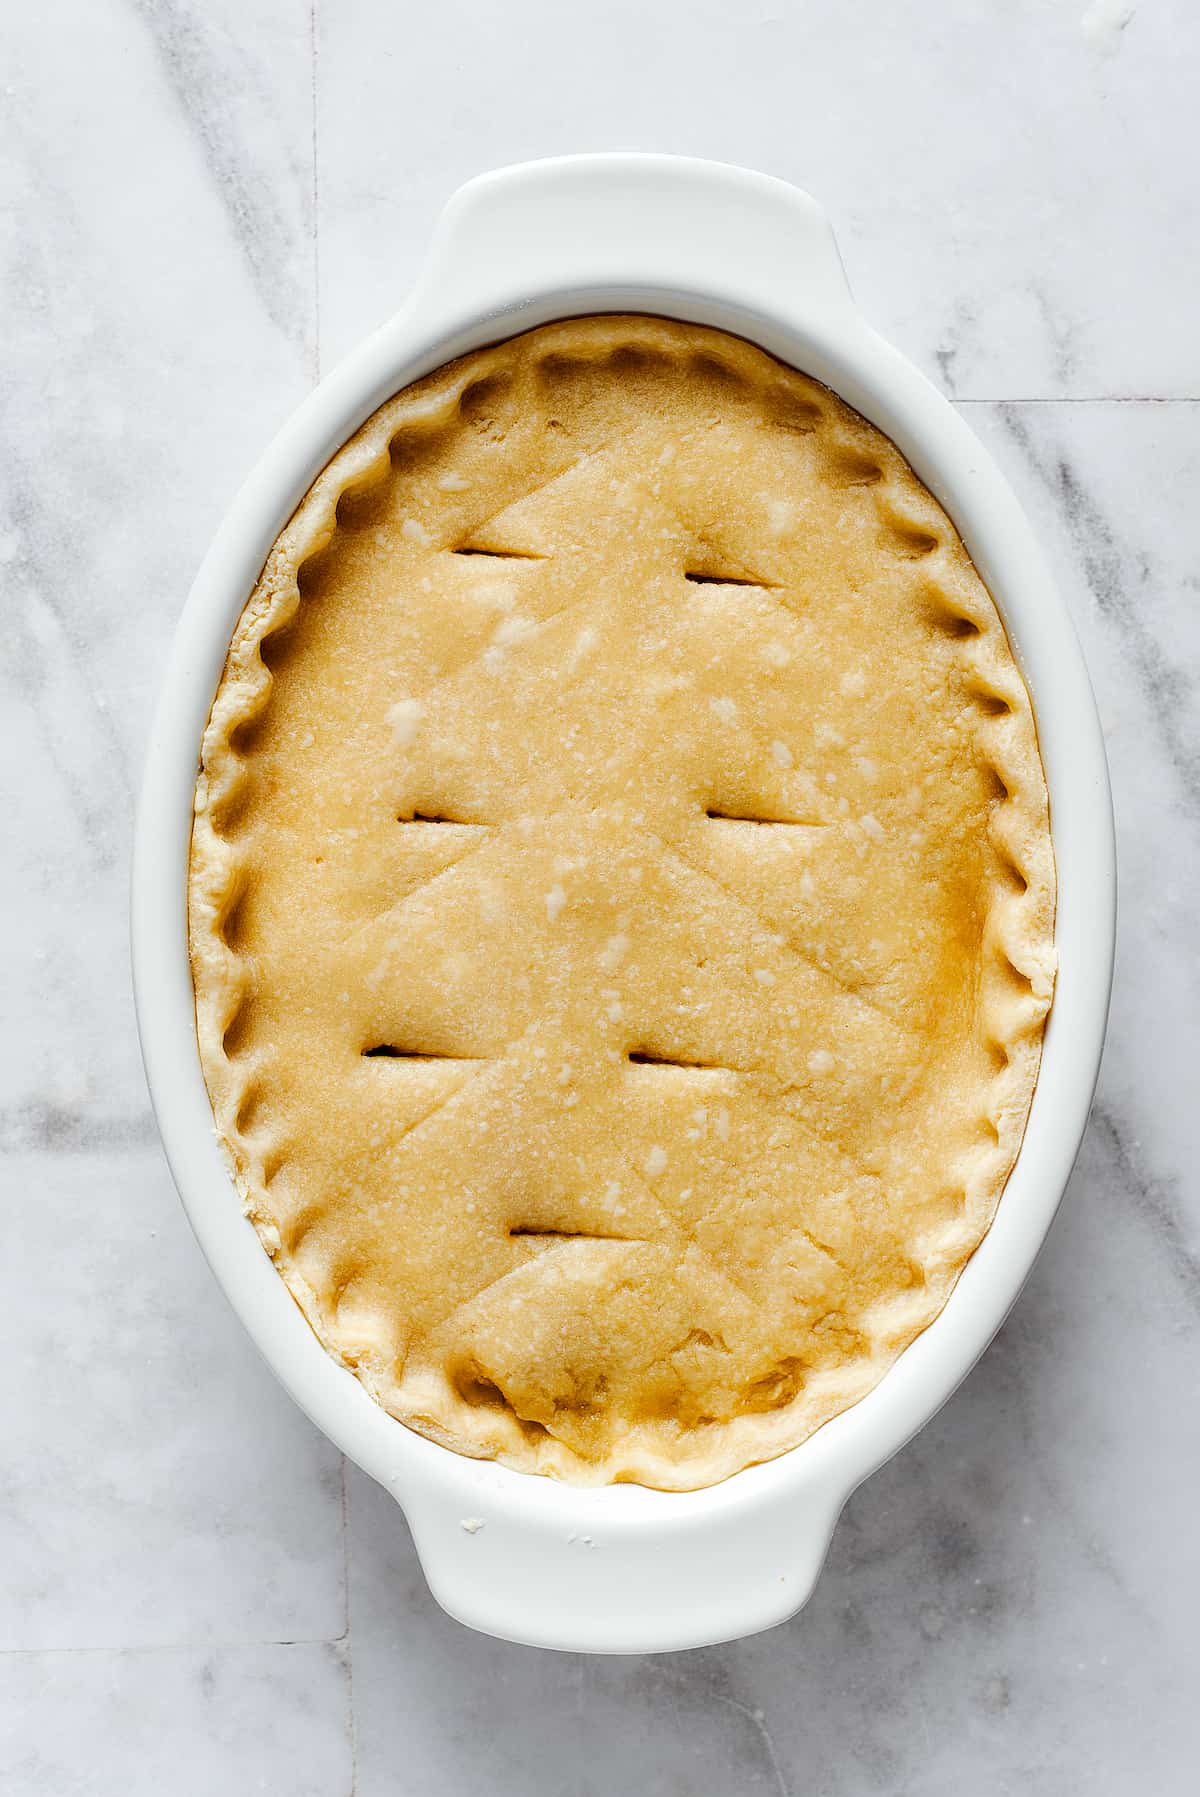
[[347, 1642], [316, 195], [165, 1647], [1085, 399]]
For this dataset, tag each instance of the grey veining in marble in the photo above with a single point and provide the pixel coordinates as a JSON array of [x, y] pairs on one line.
[[202, 207]]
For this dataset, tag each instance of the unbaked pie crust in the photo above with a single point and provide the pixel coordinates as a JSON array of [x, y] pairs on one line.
[[621, 904]]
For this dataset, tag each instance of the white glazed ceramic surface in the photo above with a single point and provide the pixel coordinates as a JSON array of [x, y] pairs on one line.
[[623, 1569]]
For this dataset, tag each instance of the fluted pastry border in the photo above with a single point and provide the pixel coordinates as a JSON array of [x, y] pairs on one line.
[[1018, 953]]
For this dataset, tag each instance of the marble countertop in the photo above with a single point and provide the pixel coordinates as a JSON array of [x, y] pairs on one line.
[[203, 206]]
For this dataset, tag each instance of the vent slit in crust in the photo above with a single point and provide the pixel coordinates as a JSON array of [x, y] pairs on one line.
[[563, 1235], [499, 555], [721, 816], [726, 580], [641, 1057]]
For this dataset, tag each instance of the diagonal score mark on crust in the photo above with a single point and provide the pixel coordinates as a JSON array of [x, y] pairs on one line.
[[477, 659], [511, 1273], [822, 1248], [427, 1116], [519, 498], [674, 850], [676, 1226], [354, 937], [604, 454], [680, 1228], [611, 444], [373, 923], [491, 1067], [588, 598], [854, 1162]]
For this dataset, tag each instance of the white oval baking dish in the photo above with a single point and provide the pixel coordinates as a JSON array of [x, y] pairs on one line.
[[624, 1569]]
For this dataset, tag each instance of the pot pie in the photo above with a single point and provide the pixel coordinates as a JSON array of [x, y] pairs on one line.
[[621, 904]]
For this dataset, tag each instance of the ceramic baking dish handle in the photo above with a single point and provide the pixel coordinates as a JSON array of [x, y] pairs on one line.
[[619, 1569], [639, 230]]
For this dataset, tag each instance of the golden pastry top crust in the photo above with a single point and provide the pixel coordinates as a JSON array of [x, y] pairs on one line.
[[621, 904]]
